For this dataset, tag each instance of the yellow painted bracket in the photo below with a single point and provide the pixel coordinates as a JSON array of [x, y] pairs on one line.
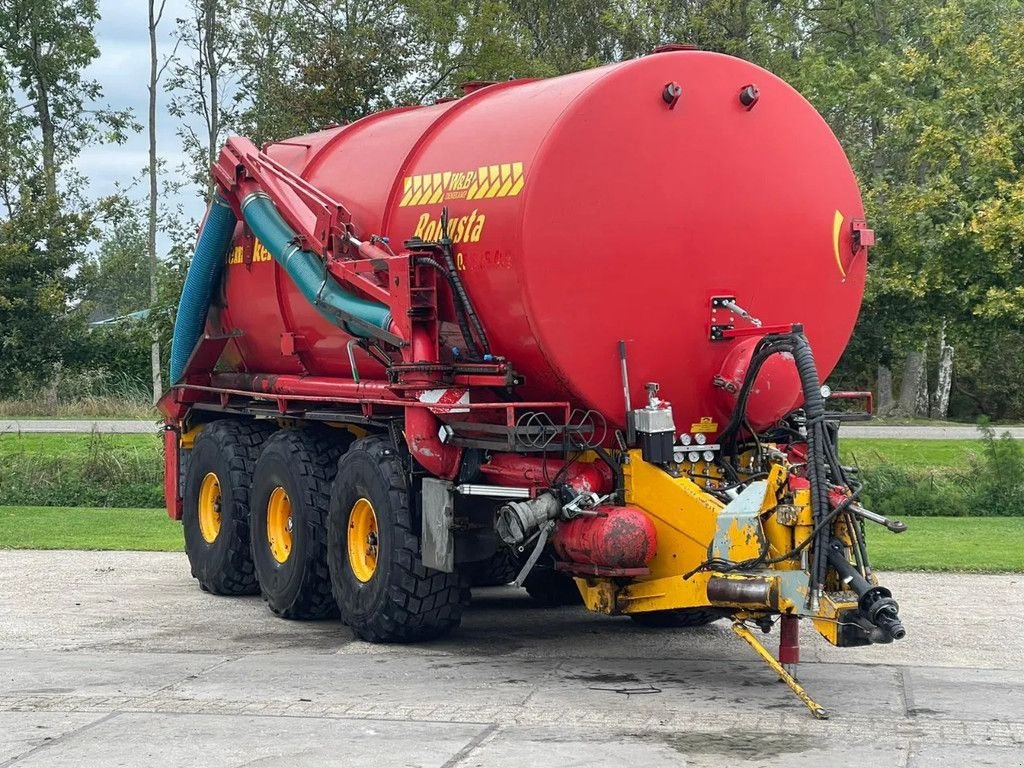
[[816, 709]]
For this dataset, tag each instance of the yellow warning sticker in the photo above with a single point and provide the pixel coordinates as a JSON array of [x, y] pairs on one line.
[[706, 424]]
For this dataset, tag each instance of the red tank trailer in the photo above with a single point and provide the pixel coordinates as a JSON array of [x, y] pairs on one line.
[[555, 329]]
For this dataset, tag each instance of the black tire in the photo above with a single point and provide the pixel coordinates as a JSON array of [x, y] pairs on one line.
[[551, 588], [499, 569], [677, 619], [298, 466], [400, 601], [227, 450]]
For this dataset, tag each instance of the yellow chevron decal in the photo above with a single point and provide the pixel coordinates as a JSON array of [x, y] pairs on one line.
[[496, 181], [517, 179], [482, 183], [407, 191]]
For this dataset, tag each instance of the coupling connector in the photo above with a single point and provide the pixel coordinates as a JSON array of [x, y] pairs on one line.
[[519, 520], [876, 603]]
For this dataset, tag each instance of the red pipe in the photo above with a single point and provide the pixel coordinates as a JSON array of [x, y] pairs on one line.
[[171, 473], [510, 469], [421, 426], [309, 386]]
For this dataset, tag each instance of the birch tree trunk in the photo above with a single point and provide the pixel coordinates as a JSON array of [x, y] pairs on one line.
[[913, 399], [213, 64], [886, 403], [944, 381], [154, 74]]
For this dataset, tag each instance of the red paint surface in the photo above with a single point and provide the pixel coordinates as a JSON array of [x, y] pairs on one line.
[[631, 218], [789, 639], [620, 537], [510, 469], [171, 467]]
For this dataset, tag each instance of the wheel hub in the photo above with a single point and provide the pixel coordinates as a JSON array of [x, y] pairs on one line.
[[363, 540], [279, 524], [209, 507]]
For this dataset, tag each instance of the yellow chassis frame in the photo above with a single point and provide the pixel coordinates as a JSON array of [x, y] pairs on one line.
[[693, 526]]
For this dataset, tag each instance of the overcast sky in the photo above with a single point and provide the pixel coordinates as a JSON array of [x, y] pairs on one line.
[[122, 69]]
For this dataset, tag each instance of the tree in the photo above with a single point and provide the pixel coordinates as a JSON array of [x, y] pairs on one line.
[[202, 84], [48, 44], [115, 281], [931, 114], [156, 71], [267, 50], [44, 222], [499, 39], [307, 64]]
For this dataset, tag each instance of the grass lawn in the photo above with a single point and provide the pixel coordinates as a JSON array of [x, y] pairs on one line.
[[85, 528], [85, 408], [983, 544], [910, 454], [72, 444], [90, 470], [868, 452]]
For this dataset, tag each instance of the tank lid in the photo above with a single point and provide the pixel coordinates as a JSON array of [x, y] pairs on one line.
[[474, 85], [670, 47]]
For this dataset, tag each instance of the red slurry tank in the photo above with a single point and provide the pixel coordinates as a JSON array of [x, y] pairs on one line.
[[612, 204], [384, 410]]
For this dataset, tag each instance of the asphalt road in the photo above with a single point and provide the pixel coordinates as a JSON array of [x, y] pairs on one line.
[[118, 659], [120, 427], [849, 430]]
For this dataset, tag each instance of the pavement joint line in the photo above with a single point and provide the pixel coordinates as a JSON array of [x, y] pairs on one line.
[[907, 754], [60, 739], [844, 728], [907, 693], [475, 743], [195, 675], [518, 655]]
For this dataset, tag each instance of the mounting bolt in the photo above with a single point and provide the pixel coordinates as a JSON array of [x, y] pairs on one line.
[[670, 95], [749, 96]]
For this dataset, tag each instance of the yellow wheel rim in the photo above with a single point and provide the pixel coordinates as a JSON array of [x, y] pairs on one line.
[[209, 507], [362, 540], [279, 524]]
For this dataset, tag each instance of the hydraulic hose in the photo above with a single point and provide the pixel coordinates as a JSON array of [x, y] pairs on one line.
[[308, 271], [817, 440], [462, 301], [460, 316], [203, 277], [819, 451]]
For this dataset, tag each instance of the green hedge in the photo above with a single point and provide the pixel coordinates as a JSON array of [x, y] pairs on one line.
[[81, 470], [989, 484], [127, 471]]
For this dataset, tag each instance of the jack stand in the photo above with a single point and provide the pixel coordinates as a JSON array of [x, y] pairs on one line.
[[817, 710], [789, 643]]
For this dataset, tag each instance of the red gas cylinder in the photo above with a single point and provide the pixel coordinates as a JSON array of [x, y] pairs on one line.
[[612, 204], [617, 537]]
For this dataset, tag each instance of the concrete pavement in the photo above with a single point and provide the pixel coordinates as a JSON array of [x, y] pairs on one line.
[[111, 659], [964, 432]]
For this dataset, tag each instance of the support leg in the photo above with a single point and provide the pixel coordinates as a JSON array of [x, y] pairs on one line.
[[816, 709], [789, 643]]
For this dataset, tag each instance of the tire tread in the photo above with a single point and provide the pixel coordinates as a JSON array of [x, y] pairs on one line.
[[421, 604], [240, 441], [316, 454]]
